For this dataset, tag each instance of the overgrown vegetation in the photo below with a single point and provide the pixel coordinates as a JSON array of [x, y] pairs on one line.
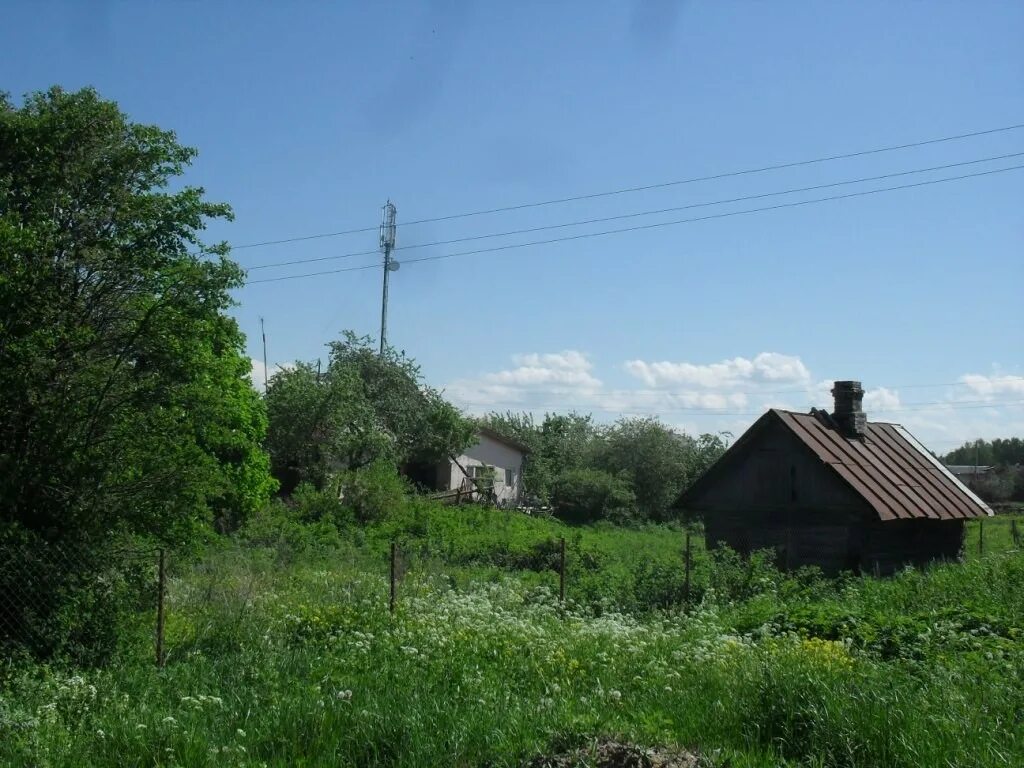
[[283, 652], [364, 409], [632, 470]]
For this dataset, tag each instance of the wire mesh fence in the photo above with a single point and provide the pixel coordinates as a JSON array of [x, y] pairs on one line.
[[64, 600], [68, 600]]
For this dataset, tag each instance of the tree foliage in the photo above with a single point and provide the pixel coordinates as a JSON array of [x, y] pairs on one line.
[[998, 452], [561, 442], [365, 408], [637, 464], [658, 461], [124, 395], [589, 495]]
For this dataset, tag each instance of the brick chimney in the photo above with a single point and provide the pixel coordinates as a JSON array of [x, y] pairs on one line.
[[849, 414]]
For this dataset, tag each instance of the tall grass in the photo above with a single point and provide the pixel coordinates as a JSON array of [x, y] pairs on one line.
[[301, 663]]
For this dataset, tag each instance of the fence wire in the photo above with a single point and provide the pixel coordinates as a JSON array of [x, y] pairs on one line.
[[66, 599]]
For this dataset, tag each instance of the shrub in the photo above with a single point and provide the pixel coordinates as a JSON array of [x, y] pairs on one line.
[[734, 577], [313, 506], [287, 529], [375, 491], [585, 495], [66, 601]]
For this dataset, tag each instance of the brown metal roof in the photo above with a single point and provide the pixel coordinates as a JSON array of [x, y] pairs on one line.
[[889, 468]]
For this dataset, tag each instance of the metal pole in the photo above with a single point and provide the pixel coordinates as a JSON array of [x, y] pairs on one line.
[[384, 301], [981, 537], [561, 571], [263, 333], [394, 555], [387, 243], [686, 584], [161, 581]]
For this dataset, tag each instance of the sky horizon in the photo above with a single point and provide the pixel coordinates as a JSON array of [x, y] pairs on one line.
[[308, 118]]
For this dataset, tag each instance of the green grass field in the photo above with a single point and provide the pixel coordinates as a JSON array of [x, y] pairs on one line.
[[285, 658], [994, 534]]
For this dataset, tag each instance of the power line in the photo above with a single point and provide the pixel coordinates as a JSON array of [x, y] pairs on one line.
[[645, 187], [696, 411], [808, 391], [641, 227], [636, 214]]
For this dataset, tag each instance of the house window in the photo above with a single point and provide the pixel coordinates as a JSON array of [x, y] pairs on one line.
[[478, 471], [510, 477]]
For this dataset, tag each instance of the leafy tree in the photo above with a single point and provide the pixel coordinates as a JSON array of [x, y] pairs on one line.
[[999, 452], [587, 495], [124, 397], [658, 461], [365, 408], [125, 404], [558, 444]]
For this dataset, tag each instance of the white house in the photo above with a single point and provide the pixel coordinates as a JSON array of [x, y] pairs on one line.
[[470, 472]]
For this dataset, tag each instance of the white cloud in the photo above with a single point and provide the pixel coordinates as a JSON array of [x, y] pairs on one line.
[[880, 400], [732, 394], [257, 372], [765, 367], [534, 379], [989, 386], [569, 359]]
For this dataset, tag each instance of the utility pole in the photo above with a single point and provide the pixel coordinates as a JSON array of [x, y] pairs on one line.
[[263, 333], [387, 244]]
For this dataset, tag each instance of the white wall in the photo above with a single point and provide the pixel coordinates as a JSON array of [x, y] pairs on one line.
[[493, 453]]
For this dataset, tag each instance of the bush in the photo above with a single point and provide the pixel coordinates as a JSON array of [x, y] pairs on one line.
[[313, 506], [586, 495], [296, 528], [68, 601], [374, 492], [735, 578]]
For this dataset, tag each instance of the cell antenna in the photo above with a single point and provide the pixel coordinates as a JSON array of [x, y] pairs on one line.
[[387, 244], [263, 333]]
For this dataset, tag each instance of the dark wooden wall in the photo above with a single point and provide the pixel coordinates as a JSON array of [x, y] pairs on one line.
[[777, 494], [895, 544]]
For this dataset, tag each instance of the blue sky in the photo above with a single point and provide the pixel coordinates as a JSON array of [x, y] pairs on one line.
[[308, 117]]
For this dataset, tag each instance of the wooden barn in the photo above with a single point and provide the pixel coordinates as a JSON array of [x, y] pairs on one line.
[[833, 490]]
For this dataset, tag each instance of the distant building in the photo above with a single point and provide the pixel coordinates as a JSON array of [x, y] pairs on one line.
[[835, 491], [489, 470], [968, 474]]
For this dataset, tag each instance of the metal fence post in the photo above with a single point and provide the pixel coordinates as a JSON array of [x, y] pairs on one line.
[[686, 584], [160, 584], [394, 557], [561, 570], [981, 537]]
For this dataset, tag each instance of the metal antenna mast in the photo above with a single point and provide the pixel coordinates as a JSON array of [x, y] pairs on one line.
[[263, 333], [387, 244]]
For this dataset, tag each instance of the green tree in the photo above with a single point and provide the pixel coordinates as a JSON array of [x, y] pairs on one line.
[[587, 495], [560, 443], [124, 397], [365, 408], [658, 461], [998, 452], [125, 404]]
